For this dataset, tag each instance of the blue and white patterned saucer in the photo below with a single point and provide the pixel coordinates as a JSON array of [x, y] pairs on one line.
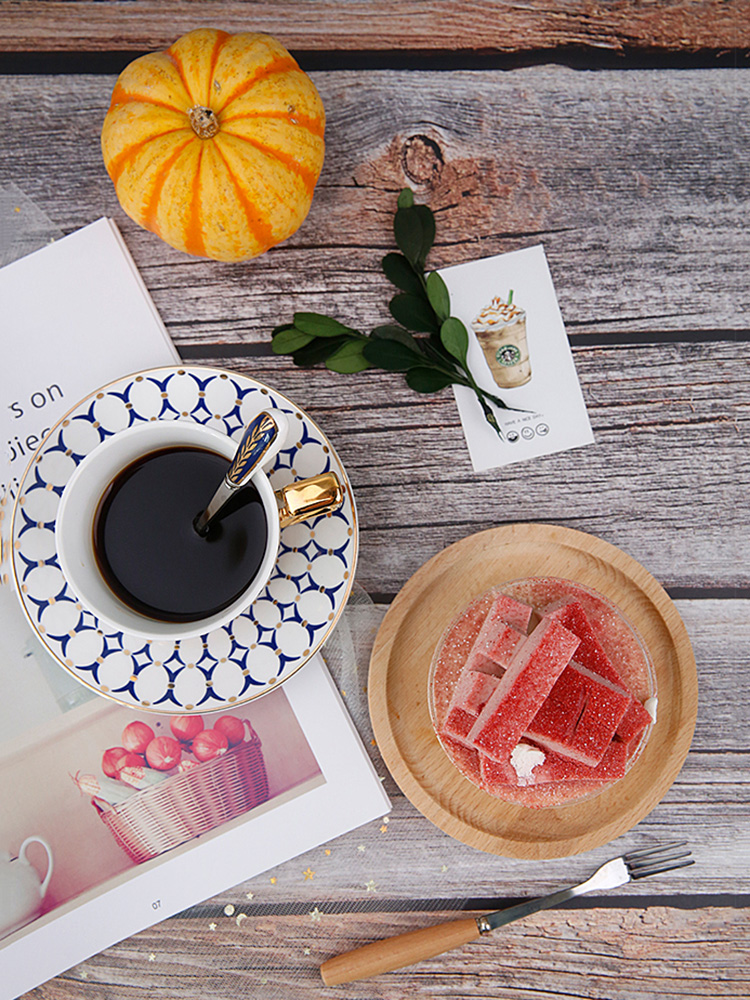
[[259, 649]]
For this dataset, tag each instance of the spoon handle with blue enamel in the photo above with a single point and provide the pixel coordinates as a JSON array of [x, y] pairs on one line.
[[261, 441]]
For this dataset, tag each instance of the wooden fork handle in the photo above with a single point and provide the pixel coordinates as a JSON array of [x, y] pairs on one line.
[[396, 952]]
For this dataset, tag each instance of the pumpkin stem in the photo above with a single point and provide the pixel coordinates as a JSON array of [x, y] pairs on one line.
[[204, 121]]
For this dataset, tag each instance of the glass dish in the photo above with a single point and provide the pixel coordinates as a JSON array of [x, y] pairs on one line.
[[620, 640]]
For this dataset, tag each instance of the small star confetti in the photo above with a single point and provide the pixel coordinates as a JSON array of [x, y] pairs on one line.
[[315, 915], [229, 909], [239, 918], [306, 951], [384, 828], [249, 895], [152, 957], [273, 880], [373, 743], [309, 874], [370, 885], [212, 926], [84, 975], [263, 980], [444, 868], [343, 694], [361, 848], [328, 852]]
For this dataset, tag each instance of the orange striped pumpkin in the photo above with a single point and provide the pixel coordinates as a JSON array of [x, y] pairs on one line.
[[216, 144]]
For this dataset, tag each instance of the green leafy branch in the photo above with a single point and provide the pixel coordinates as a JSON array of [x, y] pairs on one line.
[[422, 305]]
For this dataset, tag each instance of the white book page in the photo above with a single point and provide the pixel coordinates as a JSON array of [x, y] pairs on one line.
[[345, 794], [77, 315]]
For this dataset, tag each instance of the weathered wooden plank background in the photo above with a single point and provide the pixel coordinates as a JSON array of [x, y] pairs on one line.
[[633, 181], [620, 955], [87, 25], [656, 302], [637, 184]]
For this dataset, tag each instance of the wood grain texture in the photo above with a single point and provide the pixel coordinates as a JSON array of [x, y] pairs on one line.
[[667, 451], [644, 229], [600, 954], [398, 951], [635, 182], [609, 178], [369, 24]]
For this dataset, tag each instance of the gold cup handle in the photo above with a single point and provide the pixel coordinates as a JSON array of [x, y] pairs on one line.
[[309, 497]]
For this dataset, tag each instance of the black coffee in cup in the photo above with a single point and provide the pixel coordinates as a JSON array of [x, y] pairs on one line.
[[148, 551]]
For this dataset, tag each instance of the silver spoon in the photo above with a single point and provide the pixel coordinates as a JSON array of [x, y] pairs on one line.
[[261, 441]]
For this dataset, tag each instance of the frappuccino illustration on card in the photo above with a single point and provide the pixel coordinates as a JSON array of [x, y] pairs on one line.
[[519, 352], [500, 328]]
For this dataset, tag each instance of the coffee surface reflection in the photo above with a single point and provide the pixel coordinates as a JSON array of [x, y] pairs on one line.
[[148, 551]]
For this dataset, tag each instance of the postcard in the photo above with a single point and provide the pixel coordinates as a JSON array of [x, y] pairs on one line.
[[519, 353]]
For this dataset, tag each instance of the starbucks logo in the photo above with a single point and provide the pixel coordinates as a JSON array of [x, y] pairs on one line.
[[508, 355]]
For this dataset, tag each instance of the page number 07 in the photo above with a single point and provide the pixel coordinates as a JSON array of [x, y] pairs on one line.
[[156, 905]]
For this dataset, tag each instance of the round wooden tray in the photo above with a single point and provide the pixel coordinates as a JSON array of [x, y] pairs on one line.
[[400, 665]]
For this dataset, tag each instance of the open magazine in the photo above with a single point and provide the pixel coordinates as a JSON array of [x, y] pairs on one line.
[[87, 859]]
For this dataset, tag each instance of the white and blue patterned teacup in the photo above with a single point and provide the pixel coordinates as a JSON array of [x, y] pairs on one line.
[[84, 490]]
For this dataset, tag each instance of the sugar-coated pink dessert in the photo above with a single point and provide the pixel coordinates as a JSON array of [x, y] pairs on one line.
[[471, 694], [635, 720], [552, 768], [580, 716], [502, 630], [535, 666], [590, 653], [545, 718]]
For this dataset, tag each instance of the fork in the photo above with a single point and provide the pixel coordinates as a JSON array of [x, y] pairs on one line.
[[414, 946]]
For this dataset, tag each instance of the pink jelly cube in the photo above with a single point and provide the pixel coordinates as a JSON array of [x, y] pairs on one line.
[[496, 775], [513, 612], [501, 631], [590, 653], [492, 651], [502, 646], [554, 769], [579, 717], [470, 696], [609, 768], [633, 723], [535, 666]]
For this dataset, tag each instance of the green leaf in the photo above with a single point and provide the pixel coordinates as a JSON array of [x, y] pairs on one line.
[[349, 358], [413, 313], [319, 350], [279, 329], [437, 293], [407, 228], [390, 332], [427, 380], [428, 231], [455, 338], [400, 273], [391, 355], [320, 326], [289, 340], [405, 198]]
